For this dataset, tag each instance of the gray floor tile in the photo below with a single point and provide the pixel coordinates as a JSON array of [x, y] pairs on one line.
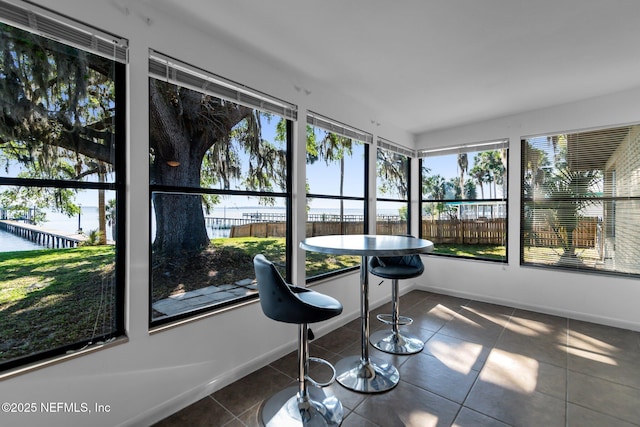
[[205, 412], [437, 376], [516, 407], [252, 389], [603, 396], [544, 348], [408, 406], [456, 353], [355, 420], [577, 416], [470, 418], [619, 370], [482, 365], [524, 375]]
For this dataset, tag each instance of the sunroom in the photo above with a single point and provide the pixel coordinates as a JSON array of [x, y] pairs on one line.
[[174, 141]]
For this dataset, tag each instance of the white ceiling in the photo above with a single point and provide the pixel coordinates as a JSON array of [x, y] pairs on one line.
[[422, 65]]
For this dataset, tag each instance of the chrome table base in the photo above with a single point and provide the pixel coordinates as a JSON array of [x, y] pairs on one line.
[[372, 376], [363, 373], [396, 343]]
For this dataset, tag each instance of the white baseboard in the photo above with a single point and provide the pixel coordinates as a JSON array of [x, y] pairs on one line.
[[189, 397], [576, 315]]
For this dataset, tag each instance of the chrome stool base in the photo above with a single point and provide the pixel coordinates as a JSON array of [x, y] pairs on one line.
[[323, 409], [396, 343]]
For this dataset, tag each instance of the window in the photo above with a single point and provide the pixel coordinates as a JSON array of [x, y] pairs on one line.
[[220, 188], [336, 188], [62, 186], [393, 186], [581, 200], [464, 200]]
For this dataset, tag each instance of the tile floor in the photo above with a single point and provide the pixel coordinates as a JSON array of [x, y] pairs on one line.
[[482, 365]]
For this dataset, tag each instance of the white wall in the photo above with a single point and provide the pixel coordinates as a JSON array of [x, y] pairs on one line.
[[598, 298], [151, 376]]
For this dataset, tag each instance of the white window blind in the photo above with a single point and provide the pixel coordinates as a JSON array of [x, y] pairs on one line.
[[168, 69], [581, 200], [388, 145], [48, 24], [466, 148], [338, 128]]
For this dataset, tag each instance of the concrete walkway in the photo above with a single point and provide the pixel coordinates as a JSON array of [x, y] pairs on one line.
[[192, 300]]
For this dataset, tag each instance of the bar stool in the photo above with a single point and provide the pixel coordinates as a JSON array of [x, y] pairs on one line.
[[280, 301], [396, 268]]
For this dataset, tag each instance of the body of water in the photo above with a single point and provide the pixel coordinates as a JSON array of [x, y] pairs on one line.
[[10, 242], [88, 220], [56, 222]]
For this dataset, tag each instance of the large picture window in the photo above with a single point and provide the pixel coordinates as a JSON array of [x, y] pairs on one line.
[[464, 200], [581, 200], [61, 187], [220, 180], [393, 188], [336, 189]]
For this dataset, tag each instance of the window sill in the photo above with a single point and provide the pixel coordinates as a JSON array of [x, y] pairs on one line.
[[72, 354]]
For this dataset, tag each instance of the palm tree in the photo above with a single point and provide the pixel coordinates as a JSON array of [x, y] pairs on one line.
[[110, 216], [491, 162], [463, 165], [480, 175], [435, 188], [470, 190], [566, 193], [331, 148]]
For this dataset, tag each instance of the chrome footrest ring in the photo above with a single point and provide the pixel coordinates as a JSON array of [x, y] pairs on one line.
[[388, 319], [324, 362]]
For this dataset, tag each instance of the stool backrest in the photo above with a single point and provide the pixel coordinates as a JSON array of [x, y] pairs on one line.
[[407, 260], [277, 300]]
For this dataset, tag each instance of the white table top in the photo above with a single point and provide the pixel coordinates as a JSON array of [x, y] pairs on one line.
[[366, 245]]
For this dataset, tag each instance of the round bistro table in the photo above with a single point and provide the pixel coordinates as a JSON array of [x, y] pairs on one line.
[[363, 373]]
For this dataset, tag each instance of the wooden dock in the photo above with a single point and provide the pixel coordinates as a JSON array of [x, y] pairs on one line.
[[46, 238]]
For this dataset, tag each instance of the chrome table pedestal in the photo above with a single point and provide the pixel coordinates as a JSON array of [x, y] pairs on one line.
[[363, 373]]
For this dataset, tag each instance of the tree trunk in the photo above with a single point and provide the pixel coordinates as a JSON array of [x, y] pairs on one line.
[[342, 194], [177, 159], [180, 225], [183, 125], [102, 220]]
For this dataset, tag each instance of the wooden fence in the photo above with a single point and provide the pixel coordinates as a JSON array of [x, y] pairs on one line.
[[316, 228], [259, 229], [466, 232], [584, 236]]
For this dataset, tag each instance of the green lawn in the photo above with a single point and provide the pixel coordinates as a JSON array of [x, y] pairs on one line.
[[55, 297], [474, 251], [274, 250], [50, 298]]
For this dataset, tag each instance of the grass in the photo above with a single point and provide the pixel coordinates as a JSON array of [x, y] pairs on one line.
[[552, 256], [491, 252], [273, 250], [227, 261], [51, 298]]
